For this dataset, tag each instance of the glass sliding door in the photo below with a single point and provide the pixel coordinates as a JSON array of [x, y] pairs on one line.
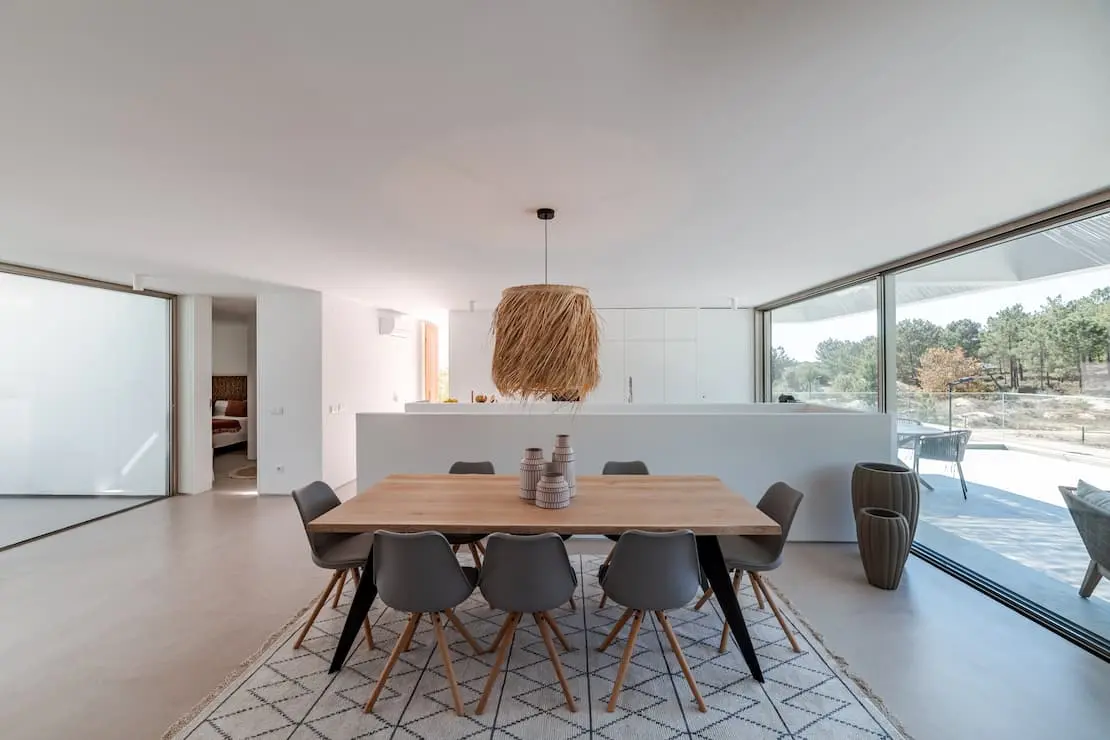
[[85, 385], [1003, 396], [824, 349]]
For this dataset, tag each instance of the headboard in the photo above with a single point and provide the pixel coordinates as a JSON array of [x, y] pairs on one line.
[[229, 387]]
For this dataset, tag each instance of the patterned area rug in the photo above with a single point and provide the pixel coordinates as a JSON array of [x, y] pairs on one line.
[[289, 694], [247, 472]]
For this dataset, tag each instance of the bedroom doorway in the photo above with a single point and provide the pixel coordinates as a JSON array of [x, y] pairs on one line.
[[234, 456]]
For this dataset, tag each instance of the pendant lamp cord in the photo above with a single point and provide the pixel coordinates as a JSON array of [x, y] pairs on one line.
[[545, 252]]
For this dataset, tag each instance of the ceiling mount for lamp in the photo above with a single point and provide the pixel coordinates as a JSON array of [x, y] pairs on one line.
[[545, 337]]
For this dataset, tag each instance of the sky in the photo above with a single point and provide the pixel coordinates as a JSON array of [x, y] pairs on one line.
[[801, 339]]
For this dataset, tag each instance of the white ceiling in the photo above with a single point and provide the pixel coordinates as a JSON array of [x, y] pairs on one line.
[[696, 151]]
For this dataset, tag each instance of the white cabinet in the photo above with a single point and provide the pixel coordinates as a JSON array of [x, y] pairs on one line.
[[643, 324], [612, 324], [681, 324], [681, 372], [612, 388], [725, 356], [645, 365]]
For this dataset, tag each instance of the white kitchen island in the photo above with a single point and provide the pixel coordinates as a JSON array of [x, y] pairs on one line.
[[748, 446]]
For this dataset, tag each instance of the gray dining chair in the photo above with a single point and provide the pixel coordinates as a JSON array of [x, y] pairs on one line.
[[755, 554], [651, 572], [509, 582], [418, 573], [472, 541], [620, 467], [339, 553]]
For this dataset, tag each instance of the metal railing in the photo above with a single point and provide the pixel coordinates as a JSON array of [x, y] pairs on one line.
[[1080, 420]]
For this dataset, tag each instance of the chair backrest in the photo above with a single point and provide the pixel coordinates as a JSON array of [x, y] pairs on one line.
[[1092, 523], [526, 573], [418, 572], [629, 467], [471, 468], [653, 570], [780, 502], [313, 501], [944, 446]]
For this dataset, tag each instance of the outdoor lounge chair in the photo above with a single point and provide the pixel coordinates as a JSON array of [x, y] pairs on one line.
[[1093, 523], [946, 447]]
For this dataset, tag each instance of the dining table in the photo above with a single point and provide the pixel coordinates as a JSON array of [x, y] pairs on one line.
[[603, 504]]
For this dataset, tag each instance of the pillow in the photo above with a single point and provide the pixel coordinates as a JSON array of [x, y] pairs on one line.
[[1093, 496], [219, 408], [236, 408]]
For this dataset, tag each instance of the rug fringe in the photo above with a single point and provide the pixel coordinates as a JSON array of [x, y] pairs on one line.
[[184, 721], [841, 662]]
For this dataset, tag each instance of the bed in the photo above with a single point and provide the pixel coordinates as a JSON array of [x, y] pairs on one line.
[[230, 414]]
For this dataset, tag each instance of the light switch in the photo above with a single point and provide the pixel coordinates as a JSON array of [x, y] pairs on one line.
[[278, 410]]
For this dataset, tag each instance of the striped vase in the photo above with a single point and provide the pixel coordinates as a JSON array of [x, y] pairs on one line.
[[552, 491], [531, 470], [562, 457]]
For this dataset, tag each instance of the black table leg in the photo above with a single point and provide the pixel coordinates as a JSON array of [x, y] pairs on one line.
[[360, 607], [713, 565]]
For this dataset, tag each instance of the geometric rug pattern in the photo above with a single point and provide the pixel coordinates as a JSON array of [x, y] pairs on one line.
[[288, 694]]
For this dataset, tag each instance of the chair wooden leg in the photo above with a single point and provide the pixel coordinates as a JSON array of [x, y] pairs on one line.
[[445, 654], [339, 590], [573, 606], [681, 659], [604, 598], [463, 631], [316, 609], [625, 659], [778, 615], [480, 546], [500, 634], [558, 632], [616, 629], [1090, 580], [398, 648], [365, 620], [758, 593], [408, 642], [473, 547], [542, 621], [704, 598], [503, 648]]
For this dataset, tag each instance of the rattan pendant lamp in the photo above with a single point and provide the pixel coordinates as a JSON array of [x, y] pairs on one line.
[[545, 338]]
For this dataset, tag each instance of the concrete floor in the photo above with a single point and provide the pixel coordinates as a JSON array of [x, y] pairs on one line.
[[117, 628], [26, 517]]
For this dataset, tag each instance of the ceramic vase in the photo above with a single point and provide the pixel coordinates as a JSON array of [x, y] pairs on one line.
[[884, 544], [887, 486], [552, 492], [531, 470], [562, 457]]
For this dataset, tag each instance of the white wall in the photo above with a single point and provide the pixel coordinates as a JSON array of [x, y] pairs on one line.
[[748, 449], [84, 389], [671, 355], [230, 355], [194, 382], [289, 412], [362, 370]]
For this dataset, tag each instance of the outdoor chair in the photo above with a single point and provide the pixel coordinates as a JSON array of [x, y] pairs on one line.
[[1093, 522], [945, 447]]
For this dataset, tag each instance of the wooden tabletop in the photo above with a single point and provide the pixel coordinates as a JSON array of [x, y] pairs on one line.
[[604, 504]]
